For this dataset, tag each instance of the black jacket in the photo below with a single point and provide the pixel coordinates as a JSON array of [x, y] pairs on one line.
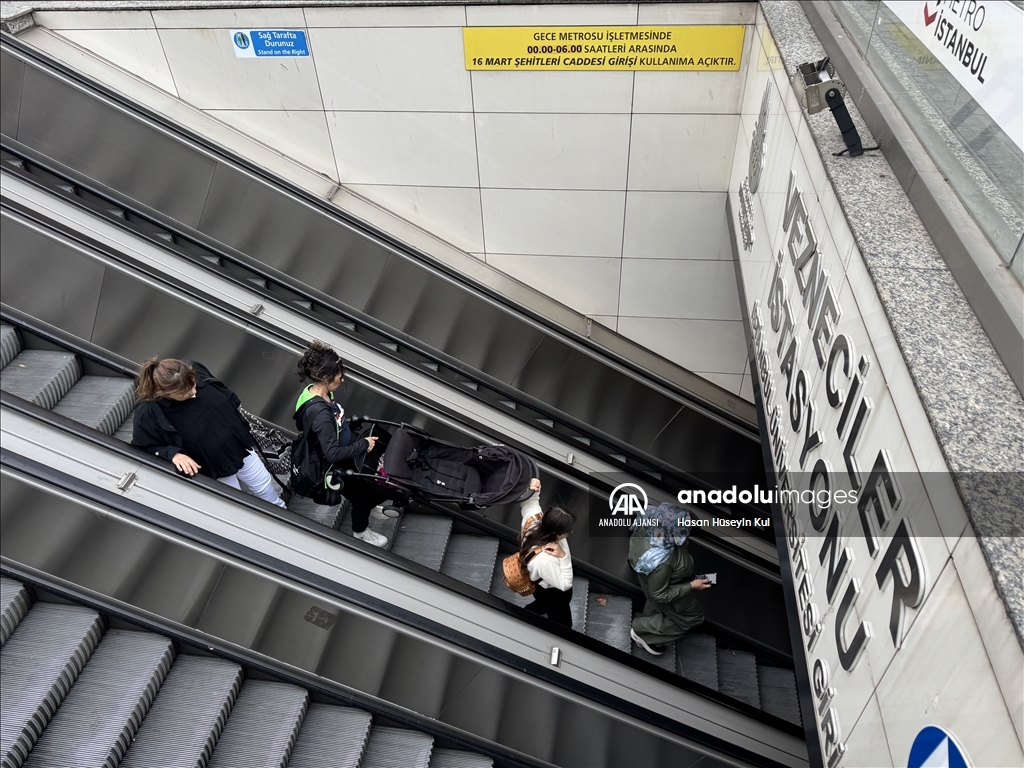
[[314, 413], [220, 451]]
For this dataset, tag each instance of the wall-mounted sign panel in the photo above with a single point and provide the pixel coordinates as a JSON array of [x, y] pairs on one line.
[[685, 48], [979, 43], [260, 43]]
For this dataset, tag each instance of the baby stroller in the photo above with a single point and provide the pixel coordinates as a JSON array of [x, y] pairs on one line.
[[432, 470]]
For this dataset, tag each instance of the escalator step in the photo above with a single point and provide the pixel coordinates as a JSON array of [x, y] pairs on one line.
[[331, 737], [100, 402], [318, 513], [102, 712], [391, 747], [10, 344], [40, 662], [578, 606], [127, 429], [737, 676], [15, 600], [423, 539], [666, 661], [185, 721], [698, 659], [386, 527], [609, 618], [470, 559], [778, 693], [263, 726], [40, 376], [450, 758]]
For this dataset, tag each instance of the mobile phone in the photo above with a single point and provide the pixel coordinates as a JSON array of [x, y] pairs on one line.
[[712, 577]]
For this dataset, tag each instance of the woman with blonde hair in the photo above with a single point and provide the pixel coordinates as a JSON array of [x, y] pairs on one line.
[[191, 419]]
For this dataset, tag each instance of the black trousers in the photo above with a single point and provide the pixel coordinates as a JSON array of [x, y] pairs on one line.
[[363, 493], [553, 603]]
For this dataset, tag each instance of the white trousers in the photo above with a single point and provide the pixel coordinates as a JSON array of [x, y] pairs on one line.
[[256, 478]]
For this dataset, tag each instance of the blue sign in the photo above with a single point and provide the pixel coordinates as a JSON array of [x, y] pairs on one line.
[[260, 43], [935, 747]]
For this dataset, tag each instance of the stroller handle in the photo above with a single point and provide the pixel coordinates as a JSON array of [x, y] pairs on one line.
[[358, 420]]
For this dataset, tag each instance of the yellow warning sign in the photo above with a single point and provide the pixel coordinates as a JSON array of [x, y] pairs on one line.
[[640, 48]]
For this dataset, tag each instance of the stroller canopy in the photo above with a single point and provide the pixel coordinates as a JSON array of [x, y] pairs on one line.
[[437, 470]]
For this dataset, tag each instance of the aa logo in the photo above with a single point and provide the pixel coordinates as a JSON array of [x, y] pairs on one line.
[[628, 498]]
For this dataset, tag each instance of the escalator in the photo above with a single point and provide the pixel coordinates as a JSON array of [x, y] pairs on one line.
[[116, 273], [131, 698], [213, 604]]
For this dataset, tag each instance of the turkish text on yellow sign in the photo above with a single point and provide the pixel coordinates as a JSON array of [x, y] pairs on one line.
[[643, 48]]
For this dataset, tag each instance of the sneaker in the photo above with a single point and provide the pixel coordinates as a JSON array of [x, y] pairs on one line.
[[385, 512], [371, 537], [654, 650]]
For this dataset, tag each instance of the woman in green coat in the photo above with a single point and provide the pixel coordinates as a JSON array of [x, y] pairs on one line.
[[658, 553]]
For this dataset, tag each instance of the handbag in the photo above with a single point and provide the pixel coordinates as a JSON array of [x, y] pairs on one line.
[[513, 568], [275, 446]]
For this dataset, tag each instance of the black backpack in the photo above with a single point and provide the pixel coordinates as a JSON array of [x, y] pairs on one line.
[[311, 476]]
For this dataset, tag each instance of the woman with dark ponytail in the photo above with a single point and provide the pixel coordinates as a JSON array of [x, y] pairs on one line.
[[544, 548], [191, 419], [317, 413]]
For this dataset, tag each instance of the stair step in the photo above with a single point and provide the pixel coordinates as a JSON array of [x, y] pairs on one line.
[[331, 737], [610, 622], [188, 715], [578, 606], [392, 747], [15, 600], [10, 344], [102, 712], [666, 660], [737, 676], [41, 377], [318, 513], [778, 693], [100, 402], [386, 527], [423, 539], [470, 559], [261, 731], [40, 662], [127, 428], [450, 758], [697, 656]]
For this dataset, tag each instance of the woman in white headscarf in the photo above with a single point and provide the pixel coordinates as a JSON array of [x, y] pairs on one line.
[[664, 567]]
